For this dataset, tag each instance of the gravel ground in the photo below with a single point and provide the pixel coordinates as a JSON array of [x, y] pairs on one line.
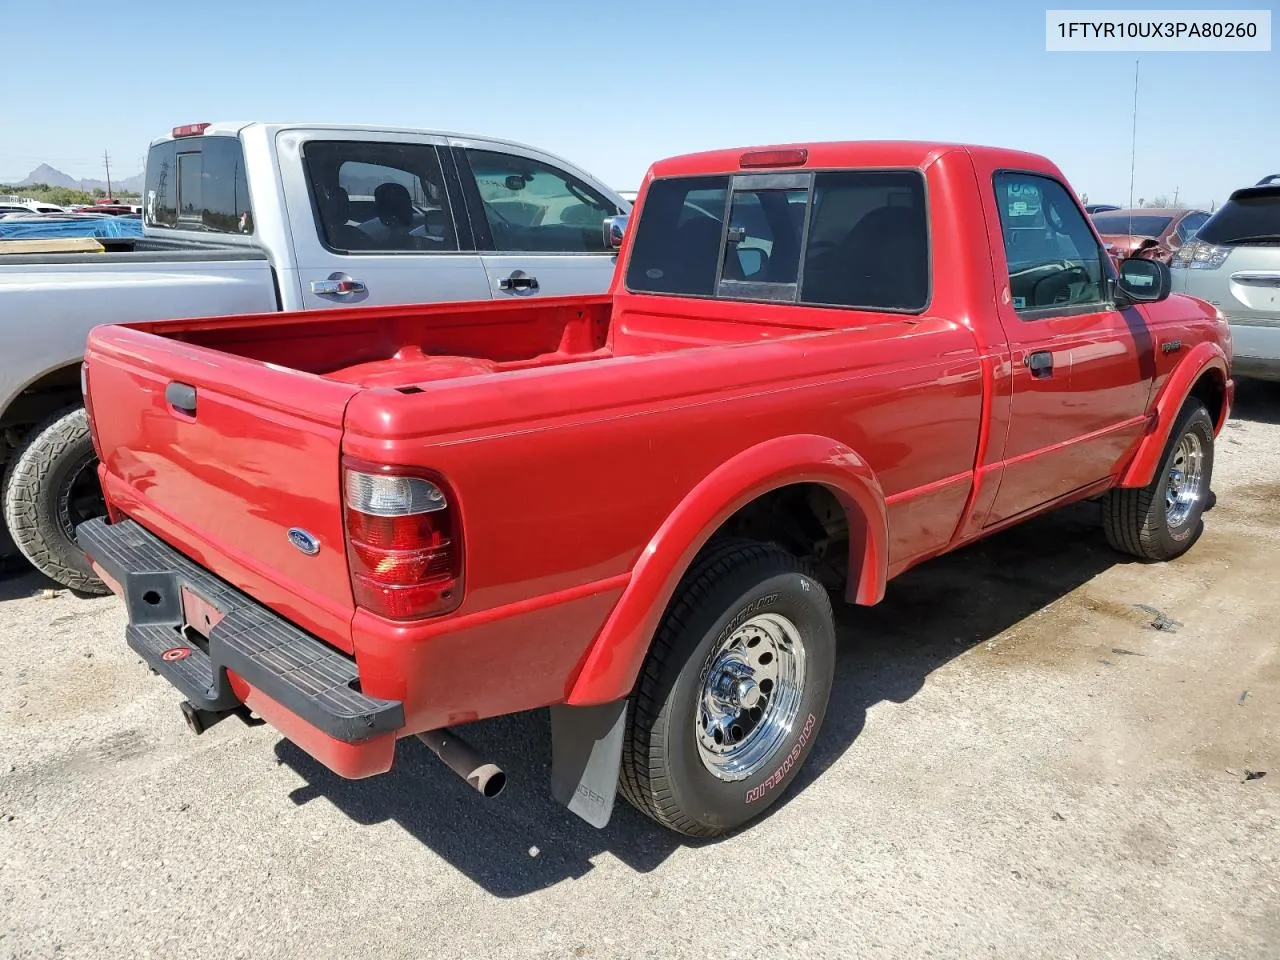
[[1034, 749]]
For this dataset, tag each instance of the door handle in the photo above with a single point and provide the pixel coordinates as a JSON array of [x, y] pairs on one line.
[[1040, 363], [519, 280], [338, 285], [181, 396]]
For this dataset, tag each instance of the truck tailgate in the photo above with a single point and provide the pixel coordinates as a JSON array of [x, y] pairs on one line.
[[226, 483]]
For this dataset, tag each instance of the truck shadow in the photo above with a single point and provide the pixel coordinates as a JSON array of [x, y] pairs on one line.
[[1257, 400], [19, 580], [523, 841]]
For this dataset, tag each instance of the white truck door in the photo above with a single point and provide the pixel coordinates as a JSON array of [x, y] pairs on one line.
[[537, 224], [375, 220]]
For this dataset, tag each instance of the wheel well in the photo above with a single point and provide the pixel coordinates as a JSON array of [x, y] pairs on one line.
[[1211, 390], [805, 519], [55, 390]]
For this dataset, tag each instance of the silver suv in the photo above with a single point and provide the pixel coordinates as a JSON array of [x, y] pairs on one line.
[[1234, 263]]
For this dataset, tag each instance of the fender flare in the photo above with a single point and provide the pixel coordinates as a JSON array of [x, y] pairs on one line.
[[7, 402], [613, 660], [1202, 359]]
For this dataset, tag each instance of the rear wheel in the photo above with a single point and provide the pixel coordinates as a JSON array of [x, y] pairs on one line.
[[50, 487], [733, 692], [1163, 519]]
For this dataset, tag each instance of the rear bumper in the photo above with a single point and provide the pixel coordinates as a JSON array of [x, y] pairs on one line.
[[1256, 348], [221, 649]]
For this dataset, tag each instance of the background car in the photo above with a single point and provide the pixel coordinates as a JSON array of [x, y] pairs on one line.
[[30, 206], [1092, 208], [1234, 264], [1153, 233]]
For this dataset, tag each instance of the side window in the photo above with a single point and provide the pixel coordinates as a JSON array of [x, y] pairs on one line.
[[374, 197], [529, 206], [1054, 260], [762, 245], [868, 243], [198, 184]]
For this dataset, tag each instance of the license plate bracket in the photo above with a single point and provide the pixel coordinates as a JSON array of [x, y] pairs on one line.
[[198, 614]]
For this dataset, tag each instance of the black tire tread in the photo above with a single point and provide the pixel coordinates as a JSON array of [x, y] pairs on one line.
[[1130, 517], [643, 780], [30, 463]]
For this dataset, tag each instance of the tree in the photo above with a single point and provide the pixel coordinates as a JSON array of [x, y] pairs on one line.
[[1160, 201]]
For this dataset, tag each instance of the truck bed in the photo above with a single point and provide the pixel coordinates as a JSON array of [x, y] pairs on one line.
[[50, 302], [407, 347], [145, 249]]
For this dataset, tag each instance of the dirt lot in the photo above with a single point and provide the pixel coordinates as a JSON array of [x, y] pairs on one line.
[[1034, 749]]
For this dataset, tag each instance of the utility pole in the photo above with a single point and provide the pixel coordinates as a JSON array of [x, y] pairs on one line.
[[106, 160], [1175, 195]]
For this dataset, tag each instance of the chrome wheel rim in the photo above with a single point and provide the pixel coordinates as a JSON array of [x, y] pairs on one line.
[[1182, 489], [749, 696]]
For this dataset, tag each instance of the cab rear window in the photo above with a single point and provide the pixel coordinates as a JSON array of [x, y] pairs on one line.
[[851, 238], [677, 245], [198, 183]]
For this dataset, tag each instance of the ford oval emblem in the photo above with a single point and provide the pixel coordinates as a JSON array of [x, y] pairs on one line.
[[304, 541]]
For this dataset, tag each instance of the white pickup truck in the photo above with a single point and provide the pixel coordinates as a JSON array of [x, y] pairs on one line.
[[255, 217]]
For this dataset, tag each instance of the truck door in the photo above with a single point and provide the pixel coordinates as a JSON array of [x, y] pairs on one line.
[[538, 225], [1081, 369], [376, 220]]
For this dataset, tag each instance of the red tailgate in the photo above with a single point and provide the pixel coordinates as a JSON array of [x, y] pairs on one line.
[[227, 483]]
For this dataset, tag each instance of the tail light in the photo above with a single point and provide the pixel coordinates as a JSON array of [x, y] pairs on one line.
[[1198, 255], [403, 542], [774, 158]]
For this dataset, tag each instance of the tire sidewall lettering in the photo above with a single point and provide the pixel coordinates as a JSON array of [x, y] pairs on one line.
[[787, 765]]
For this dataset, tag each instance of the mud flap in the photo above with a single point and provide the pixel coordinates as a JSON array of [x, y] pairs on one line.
[[586, 754]]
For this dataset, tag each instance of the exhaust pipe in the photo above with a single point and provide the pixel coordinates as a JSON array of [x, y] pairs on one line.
[[199, 720], [460, 757]]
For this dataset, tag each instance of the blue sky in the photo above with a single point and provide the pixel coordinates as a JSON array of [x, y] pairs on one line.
[[615, 86]]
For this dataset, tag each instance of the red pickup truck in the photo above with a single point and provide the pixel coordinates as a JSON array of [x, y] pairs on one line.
[[817, 366]]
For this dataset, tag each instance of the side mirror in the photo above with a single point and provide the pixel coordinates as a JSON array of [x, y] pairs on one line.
[[1144, 281], [615, 229]]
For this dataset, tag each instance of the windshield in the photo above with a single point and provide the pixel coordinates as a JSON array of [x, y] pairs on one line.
[[1140, 226], [1253, 213]]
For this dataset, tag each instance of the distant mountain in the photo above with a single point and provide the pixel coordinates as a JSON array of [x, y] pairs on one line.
[[56, 178], [47, 174]]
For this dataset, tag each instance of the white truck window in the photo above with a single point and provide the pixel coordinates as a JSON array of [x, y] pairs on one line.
[[198, 183], [379, 197], [530, 206]]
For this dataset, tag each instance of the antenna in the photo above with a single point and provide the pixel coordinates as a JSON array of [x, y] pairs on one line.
[[1133, 144]]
